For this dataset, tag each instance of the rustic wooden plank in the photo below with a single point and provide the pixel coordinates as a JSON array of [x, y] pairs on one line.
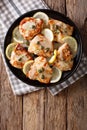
[[55, 111], [10, 105], [77, 106], [77, 93], [84, 35], [33, 111], [0, 92], [58, 5], [77, 11]]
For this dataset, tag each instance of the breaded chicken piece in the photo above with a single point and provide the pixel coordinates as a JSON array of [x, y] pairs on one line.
[[19, 56], [40, 70], [64, 58], [64, 52], [60, 29], [29, 27], [41, 46], [63, 65]]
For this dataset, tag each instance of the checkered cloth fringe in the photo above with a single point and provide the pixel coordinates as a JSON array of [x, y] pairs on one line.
[[9, 11]]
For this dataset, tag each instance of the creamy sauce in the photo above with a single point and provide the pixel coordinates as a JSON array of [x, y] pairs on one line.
[[28, 25]]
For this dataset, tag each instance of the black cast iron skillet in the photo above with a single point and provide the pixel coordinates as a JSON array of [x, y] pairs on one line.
[[55, 15]]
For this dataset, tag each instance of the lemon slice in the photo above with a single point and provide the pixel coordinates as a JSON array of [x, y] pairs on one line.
[[17, 37], [53, 58], [56, 76], [26, 66], [9, 50], [48, 34], [72, 43], [42, 16]]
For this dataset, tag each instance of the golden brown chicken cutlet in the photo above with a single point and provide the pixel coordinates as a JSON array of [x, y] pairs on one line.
[[64, 65], [64, 52], [19, 56], [60, 29], [64, 58], [40, 70], [29, 27], [41, 46]]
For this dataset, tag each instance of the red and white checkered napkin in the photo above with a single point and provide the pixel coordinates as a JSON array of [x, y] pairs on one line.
[[9, 11]]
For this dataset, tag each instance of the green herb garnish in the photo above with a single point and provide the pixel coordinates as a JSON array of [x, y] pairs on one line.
[[41, 70], [57, 31], [47, 49], [42, 47], [42, 77], [20, 59], [38, 42], [32, 55], [33, 26], [27, 42], [65, 31], [56, 26], [51, 66]]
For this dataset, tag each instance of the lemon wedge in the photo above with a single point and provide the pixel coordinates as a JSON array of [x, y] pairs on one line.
[[26, 66], [9, 50], [72, 43], [56, 76], [43, 16], [17, 37], [53, 58], [48, 34]]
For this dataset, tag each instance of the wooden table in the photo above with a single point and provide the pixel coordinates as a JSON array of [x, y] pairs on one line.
[[40, 110]]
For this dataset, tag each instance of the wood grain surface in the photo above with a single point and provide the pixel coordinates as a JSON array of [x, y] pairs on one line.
[[40, 110]]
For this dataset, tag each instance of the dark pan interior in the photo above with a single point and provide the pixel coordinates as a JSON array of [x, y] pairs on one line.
[[55, 15]]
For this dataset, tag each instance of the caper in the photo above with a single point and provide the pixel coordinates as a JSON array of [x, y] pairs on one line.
[[41, 70], [38, 42], [42, 47], [43, 77], [47, 49], [33, 26]]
